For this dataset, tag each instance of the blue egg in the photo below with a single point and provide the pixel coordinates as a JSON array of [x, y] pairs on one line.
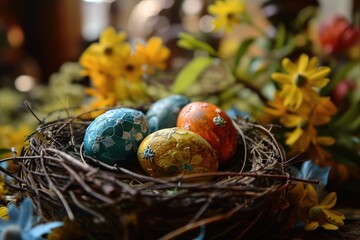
[[114, 136], [164, 112]]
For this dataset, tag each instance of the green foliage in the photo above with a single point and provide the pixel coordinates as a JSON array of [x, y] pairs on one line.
[[244, 46], [340, 74], [4, 151], [189, 42], [190, 73]]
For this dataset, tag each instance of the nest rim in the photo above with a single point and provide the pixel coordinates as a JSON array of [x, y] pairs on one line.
[[90, 180]]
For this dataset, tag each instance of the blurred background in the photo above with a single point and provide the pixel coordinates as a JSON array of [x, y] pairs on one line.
[[38, 36]]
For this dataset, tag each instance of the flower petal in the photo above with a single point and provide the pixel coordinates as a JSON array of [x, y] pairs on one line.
[[329, 201], [293, 96], [13, 212], [320, 72], [312, 171], [25, 214], [294, 136], [289, 66], [335, 217], [302, 63], [310, 197], [325, 141], [107, 35], [39, 230], [291, 120], [329, 226], [4, 213], [282, 78], [312, 65], [311, 226]]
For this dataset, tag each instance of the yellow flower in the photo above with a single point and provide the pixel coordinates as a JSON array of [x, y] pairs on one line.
[[301, 200], [303, 138], [132, 68], [111, 45], [306, 207], [301, 81], [4, 213], [322, 111], [99, 104], [320, 215], [14, 136], [300, 138], [155, 54], [227, 13], [276, 107], [101, 60]]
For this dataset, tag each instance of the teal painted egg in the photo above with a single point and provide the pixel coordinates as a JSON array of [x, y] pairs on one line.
[[164, 112], [115, 136]]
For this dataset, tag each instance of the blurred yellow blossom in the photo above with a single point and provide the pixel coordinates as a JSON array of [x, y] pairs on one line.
[[111, 46], [226, 14], [116, 71], [3, 188], [320, 215], [299, 107], [133, 67], [306, 207], [13, 136], [4, 213], [301, 80], [155, 53]]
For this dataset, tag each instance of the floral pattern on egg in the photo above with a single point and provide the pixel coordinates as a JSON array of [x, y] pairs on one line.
[[213, 124], [114, 136], [173, 151]]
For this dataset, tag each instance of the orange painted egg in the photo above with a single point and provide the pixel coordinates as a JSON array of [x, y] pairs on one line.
[[213, 124], [173, 151]]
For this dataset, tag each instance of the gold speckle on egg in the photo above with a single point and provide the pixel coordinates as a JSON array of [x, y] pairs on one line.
[[219, 121], [218, 110], [148, 153], [187, 111], [186, 126], [173, 151], [170, 133]]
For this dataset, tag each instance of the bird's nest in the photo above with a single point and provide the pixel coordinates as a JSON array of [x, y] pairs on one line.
[[113, 202]]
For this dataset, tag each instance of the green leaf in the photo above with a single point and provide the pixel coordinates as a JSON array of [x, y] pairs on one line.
[[4, 151], [242, 50], [190, 73], [346, 120], [189, 42], [304, 16], [289, 46], [280, 37], [339, 75]]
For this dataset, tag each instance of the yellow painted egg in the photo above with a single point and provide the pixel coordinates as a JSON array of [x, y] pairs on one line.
[[173, 151], [213, 124]]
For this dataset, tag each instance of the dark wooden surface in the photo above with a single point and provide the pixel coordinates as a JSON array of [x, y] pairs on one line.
[[349, 204]]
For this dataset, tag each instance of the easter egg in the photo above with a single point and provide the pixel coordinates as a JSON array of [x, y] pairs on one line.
[[213, 124], [173, 151], [164, 112], [114, 136]]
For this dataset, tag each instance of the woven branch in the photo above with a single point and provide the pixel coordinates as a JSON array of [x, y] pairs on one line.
[[122, 201]]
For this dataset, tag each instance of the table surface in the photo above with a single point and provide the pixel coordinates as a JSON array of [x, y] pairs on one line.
[[348, 203]]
